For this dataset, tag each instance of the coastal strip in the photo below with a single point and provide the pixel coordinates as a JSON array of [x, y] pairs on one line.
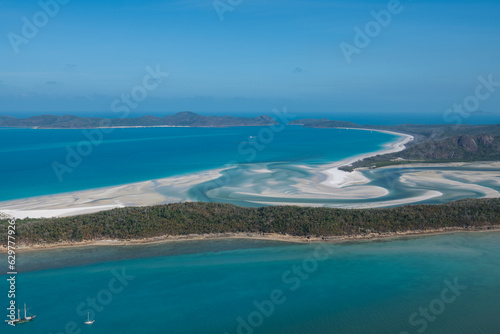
[[102, 199], [253, 236]]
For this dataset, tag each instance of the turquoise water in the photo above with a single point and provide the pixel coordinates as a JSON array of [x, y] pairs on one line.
[[205, 286], [132, 155]]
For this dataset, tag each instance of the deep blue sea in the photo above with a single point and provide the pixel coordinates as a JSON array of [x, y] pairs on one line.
[[444, 284], [48, 161]]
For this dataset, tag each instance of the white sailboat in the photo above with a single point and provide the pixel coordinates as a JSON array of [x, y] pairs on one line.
[[26, 318], [89, 322]]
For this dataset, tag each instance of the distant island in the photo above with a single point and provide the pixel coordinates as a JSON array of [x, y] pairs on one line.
[[431, 144], [184, 119]]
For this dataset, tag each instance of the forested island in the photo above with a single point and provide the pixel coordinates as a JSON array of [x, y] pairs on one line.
[[433, 143], [183, 219], [186, 118]]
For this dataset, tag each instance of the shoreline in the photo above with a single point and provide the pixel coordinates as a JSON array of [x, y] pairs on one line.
[[94, 200], [326, 186], [335, 188], [144, 193], [337, 178], [135, 127], [251, 236]]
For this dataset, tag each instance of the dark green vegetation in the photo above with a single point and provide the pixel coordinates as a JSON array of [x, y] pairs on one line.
[[463, 148], [180, 119], [206, 218], [433, 143]]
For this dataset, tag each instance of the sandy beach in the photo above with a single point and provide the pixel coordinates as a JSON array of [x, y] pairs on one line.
[[95, 200], [338, 179], [255, 236]]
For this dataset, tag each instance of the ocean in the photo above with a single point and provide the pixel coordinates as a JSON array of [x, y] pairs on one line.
[[433, 284]]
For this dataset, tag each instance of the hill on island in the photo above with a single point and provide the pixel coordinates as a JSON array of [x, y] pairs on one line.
[[185, 118], [433, 143]]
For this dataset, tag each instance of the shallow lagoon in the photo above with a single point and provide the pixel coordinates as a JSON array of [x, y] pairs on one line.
[[205, 286], [139, 154]]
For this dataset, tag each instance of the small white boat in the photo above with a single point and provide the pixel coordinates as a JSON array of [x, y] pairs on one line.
[[89, 322]]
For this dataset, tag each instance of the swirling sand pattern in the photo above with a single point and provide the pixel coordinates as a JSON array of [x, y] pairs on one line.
[[279, 184]]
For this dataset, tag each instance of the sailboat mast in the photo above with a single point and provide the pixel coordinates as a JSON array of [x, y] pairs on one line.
[[24, 310]]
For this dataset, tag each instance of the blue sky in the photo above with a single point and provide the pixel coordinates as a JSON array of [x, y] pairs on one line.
[[263, 55]]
